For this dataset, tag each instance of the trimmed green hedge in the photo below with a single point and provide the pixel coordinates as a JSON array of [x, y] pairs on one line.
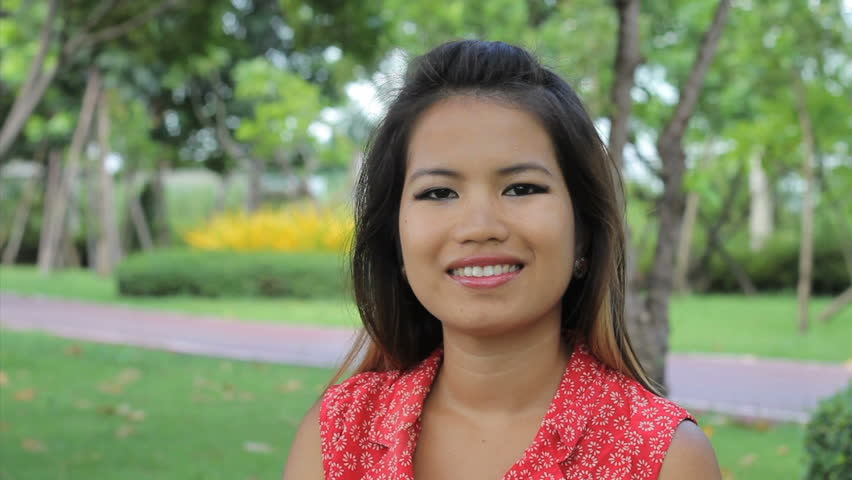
[[232, 274], [828, 439], [776, 267]]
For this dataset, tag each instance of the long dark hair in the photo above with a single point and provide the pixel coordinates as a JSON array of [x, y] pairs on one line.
[[398, 331]]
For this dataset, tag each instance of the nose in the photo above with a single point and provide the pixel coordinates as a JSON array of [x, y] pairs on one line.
[[479, 220]]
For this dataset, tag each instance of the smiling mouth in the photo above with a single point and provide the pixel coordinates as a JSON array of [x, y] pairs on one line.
[[485, 271]]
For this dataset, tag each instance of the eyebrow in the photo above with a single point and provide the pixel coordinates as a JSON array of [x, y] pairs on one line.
[[503, 172]]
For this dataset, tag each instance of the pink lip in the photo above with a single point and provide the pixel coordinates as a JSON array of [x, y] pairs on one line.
[[481, 261], [486, 282]]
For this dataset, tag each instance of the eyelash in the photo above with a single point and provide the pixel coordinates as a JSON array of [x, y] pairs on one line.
[[532, 190]]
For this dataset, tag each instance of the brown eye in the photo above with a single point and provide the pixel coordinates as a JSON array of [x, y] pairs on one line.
[[437, 194], [522, 189]]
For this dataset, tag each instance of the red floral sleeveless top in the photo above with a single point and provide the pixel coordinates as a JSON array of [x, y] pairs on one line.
[[601, 425]]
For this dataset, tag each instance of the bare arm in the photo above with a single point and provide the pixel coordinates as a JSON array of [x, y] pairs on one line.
[[305, 461], [690, 456]]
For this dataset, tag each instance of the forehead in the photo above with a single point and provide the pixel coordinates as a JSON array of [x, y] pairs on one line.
[[466, 132]]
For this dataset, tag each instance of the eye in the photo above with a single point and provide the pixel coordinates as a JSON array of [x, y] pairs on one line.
[[436, 194], [522, 189]]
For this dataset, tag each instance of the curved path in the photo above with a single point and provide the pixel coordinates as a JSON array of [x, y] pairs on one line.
[[736, 385]]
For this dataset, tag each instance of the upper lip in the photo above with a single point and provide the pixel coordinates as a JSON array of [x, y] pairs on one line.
[[483, 260]]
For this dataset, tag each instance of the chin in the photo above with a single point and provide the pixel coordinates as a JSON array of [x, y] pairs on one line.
[[487, 324]]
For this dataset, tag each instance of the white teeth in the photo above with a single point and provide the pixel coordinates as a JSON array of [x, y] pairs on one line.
[[486, 271]]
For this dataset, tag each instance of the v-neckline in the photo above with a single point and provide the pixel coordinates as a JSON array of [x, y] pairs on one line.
[[545, 434]]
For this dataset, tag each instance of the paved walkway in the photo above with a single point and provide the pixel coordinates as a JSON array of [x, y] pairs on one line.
[[737, 385]]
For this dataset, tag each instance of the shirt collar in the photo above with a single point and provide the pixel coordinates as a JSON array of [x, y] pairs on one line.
[[401, 408], [564, 423]]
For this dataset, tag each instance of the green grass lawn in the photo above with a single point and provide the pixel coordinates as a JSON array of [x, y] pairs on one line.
[[81, 410], [763, 325], [84, 285]]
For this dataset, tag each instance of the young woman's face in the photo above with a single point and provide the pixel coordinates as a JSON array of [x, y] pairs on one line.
[[486, 222]]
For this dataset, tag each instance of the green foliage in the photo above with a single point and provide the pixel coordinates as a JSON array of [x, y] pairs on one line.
[[828, 439], [284, 106], [231, 274], [776, 266]]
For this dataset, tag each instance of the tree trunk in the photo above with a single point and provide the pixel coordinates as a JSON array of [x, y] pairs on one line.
[[19, 222], [108, 251], [93, 209], [838, 304], [681, 283], [806, 250], [222, 195], [653, 327], [54, 172], [137, 214], [760, 211], [254, 193], [56, 221], [160, 219], [627, 59]]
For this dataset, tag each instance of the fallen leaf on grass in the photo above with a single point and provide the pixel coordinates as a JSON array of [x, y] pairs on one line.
[[257, 447], [26, 395], [201, 382], [4, 378], [106, 409], [291, 386], [128, 375], [748, 460], [727, 474], [33, 445], [136, 416], [783, 450], [124, 409], [124, 431], [111, 388], [73, 350], [709, 430]]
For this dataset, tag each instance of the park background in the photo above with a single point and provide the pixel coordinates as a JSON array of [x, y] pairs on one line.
[[197, 157]]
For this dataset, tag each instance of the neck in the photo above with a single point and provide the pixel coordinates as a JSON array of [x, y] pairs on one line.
[[512, 374]]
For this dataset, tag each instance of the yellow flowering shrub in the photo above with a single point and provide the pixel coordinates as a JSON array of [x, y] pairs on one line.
[[292, 229]]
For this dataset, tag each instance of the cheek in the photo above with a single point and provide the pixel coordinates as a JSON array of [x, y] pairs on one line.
[[417, 235]]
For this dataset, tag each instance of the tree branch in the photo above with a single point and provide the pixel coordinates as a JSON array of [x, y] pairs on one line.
[[98, 13], [674, 131], [646, 162], [12, 123], [85, 39]]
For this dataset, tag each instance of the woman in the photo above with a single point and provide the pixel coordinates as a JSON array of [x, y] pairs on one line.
[[488, 272]]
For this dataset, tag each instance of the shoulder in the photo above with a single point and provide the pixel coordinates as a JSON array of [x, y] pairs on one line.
[[690, 455], [305, 460], [347, 406], [636, 427]]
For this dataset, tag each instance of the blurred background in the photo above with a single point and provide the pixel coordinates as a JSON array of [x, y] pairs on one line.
[[175, 178]]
